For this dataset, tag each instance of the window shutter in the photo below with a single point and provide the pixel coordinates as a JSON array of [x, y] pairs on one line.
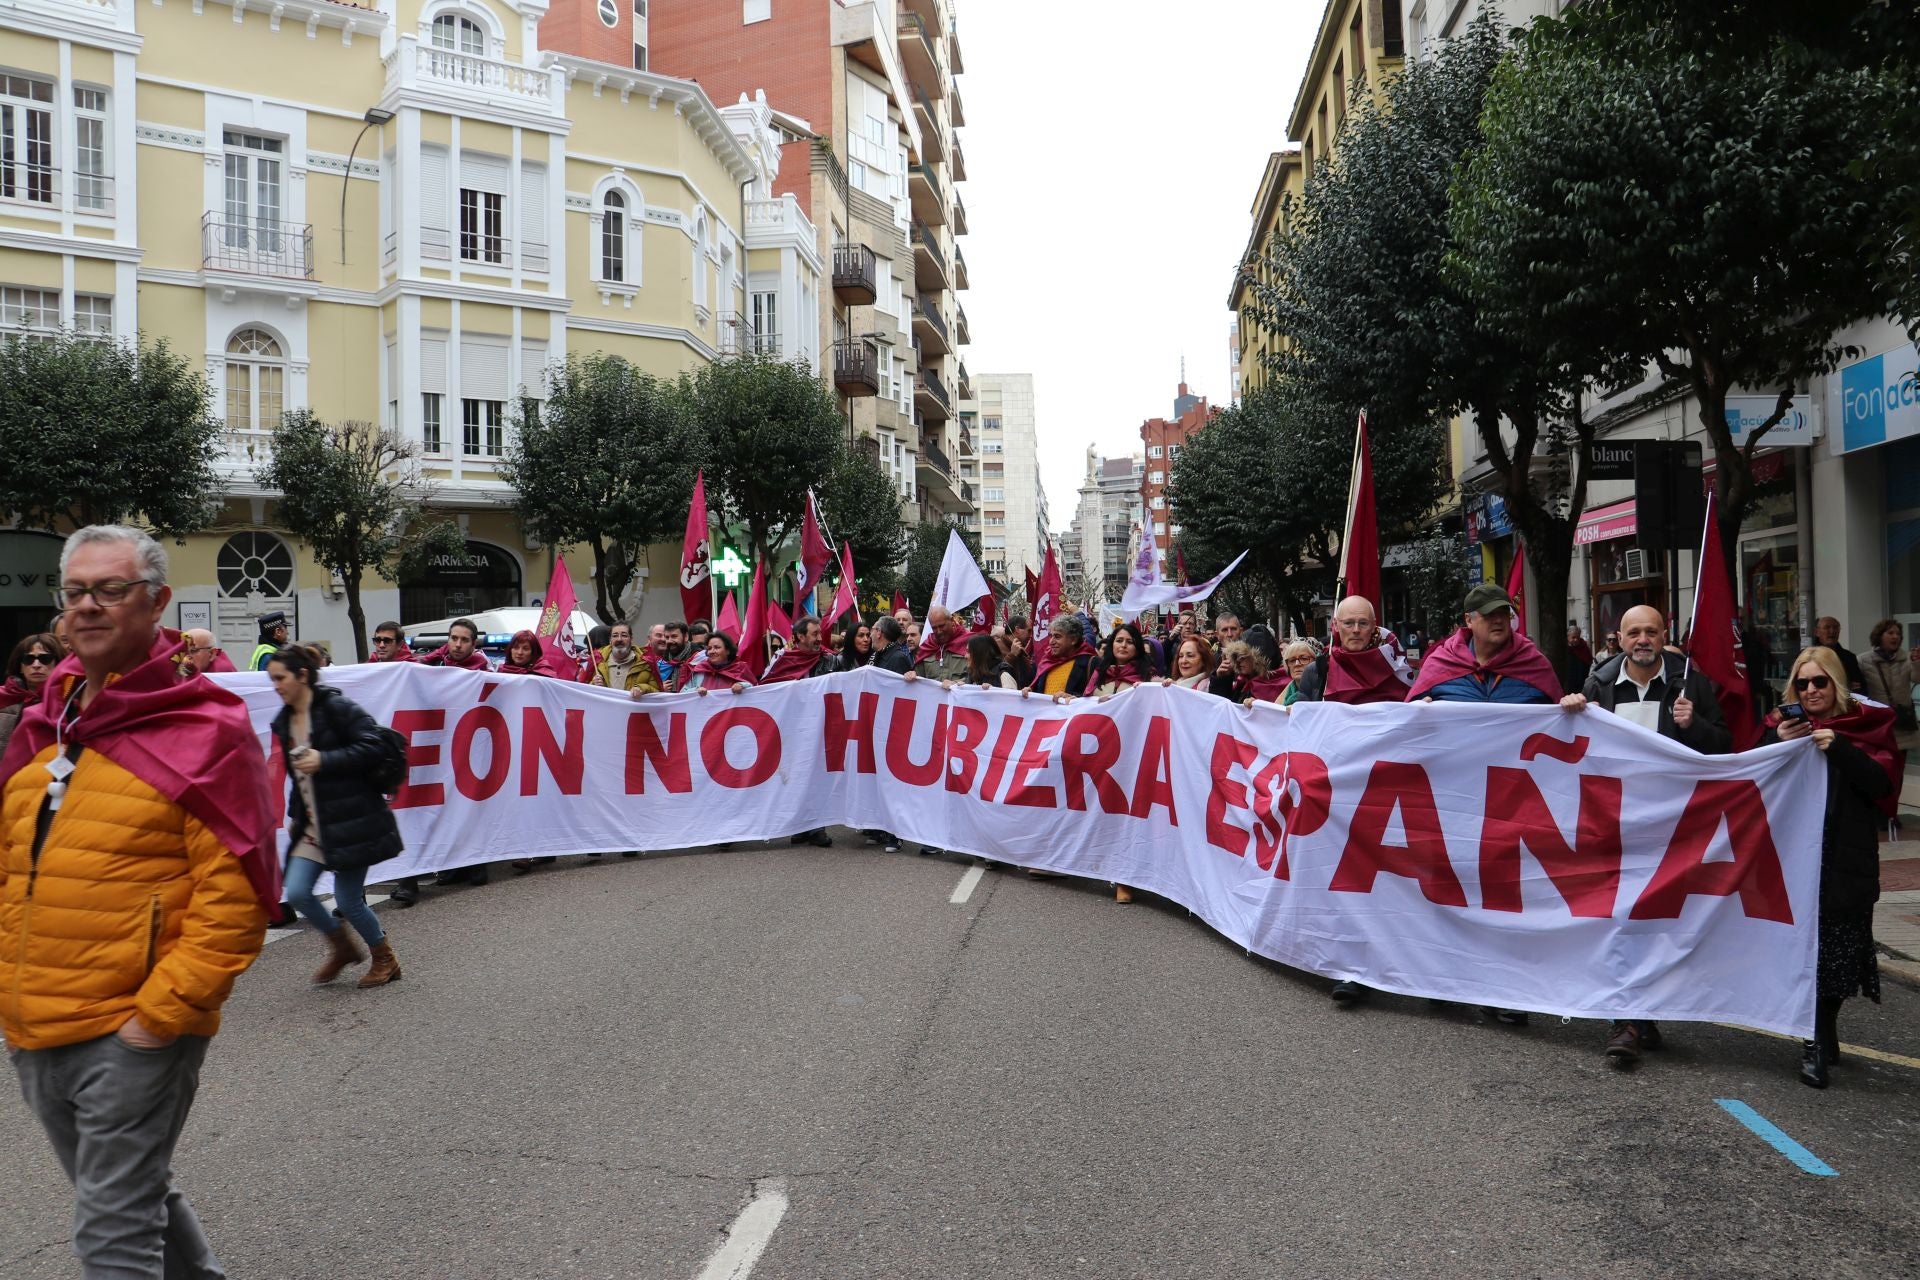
[[533, 204], [479, 172], [435, 202], [483, 369], [533, 367], [433, 366]]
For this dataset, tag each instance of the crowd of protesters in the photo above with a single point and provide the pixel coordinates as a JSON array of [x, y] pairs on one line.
[[105, 714]]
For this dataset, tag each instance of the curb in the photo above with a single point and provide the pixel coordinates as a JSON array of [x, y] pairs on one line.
[[1900, 969]]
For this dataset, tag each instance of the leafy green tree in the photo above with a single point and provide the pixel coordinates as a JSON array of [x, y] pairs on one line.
[[861, 506], [926, 547], [353, 493], [1640, 199], [771, 430], [1360, 285], [97, 432], [608, 461]]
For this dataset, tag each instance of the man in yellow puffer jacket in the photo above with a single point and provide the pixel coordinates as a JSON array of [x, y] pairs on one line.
[[134, 883]]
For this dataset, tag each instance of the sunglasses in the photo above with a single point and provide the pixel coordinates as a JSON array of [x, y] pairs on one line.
[[1811, 682], [383, 640], [39, 659]]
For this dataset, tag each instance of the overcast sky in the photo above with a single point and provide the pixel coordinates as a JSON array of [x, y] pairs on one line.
[[1112, 155]]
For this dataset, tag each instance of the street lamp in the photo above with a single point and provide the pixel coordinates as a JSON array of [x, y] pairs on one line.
[[374, 116]]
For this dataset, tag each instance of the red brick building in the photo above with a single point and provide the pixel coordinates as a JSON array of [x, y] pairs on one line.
[[1161, 440]]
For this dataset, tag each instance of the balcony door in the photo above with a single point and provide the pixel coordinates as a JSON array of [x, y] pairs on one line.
[[253, 229]]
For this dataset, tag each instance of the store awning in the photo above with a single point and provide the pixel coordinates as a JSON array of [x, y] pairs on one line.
[[1615, 520]]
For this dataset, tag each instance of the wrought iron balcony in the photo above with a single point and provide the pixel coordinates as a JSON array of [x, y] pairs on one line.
[[856, 368], [257, 247], [856, 274], [930, 396], [930, 327]]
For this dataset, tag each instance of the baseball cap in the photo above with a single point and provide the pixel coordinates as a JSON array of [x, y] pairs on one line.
[[1487, 596]]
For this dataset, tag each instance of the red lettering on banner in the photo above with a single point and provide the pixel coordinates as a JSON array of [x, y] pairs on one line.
[[1077, 765], [766, 747], [1002, 755], [567, 764], [413, 795], [472, 724], [1393, 786], [857, 728], [669, 760], [1228, 753], [1153, 784], [1021, 789], [1586, 873], [966, 730], [900, 744], [1754, 873], [1283, 816], [1545, 744]]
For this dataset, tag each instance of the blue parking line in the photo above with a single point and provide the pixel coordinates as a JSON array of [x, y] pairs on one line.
[[1772, 1135]]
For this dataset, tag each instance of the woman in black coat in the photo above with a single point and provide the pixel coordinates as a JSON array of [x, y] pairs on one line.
[[341, 822]]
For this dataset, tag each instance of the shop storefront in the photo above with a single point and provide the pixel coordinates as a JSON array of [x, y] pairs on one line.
[[1770, 569], [29, 570], [1620, 574], [480, 578], [1903, 535]]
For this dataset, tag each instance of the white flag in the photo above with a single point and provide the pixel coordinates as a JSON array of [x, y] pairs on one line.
[[960, 584]]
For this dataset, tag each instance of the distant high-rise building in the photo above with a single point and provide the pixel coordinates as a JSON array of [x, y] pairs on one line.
[[1011, 505]]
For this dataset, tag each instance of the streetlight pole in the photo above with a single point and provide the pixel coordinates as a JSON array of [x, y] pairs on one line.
[[374, 116]]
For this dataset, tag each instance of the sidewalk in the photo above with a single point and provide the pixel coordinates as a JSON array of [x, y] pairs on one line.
[[1896, 917]]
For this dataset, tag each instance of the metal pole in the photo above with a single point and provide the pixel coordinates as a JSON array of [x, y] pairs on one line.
[[345, 178]]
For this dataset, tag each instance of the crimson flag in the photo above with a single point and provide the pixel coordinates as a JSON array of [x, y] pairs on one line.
[[1180, 563], [815, 555], [1048, 606], [843, 599], [1033, 589], [1517, 586], [753, 627], [729, 620], [1360, 544], [899, 601], [1713, 641], [696, 558]]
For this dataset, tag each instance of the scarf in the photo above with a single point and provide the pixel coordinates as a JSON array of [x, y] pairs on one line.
[[954, 648], [1047, 662], [14, 692], [1453, 657], [400, 654], [792, 664], [736, 673], [537, 667], [1261, 688], [474, 661], [1373, 675], [1117, 674], [1869, 726], [190, 740]]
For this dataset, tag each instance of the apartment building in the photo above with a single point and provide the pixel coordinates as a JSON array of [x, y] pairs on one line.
[[1252, 344], [1012, 505], [400, 213], [1100, 536], [866, 99], [1161, 440]]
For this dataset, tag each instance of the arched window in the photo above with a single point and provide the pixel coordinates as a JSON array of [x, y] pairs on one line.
[[256, 381], [700, 259], [463, 35], [613, 238]]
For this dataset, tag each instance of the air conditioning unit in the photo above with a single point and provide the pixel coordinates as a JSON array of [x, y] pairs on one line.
[[1635, 567]]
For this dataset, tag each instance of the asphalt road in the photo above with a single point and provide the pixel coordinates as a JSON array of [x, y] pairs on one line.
[[588, 1072]]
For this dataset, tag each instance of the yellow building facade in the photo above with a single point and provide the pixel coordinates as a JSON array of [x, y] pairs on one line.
[[1283, 177], [400, 213]]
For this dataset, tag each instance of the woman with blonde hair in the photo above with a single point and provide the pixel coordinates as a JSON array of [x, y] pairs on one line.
[[1857, 740], [1297, 657]]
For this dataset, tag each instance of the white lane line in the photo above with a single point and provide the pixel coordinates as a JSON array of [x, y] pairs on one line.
[[964, 890], [748, 1235], [275, 935]]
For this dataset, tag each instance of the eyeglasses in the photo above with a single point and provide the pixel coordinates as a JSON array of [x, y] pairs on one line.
[[1811, 682], [383, 640], [105, 594], [40, 659]]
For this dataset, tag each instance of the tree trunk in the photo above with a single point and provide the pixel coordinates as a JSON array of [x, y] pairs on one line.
[[600, 580], [355, 614]]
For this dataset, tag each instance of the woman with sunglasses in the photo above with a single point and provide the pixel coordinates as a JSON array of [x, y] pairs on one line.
[[1857, 739], [28, 667]]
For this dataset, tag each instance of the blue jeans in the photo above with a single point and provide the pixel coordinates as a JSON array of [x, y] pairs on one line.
[[349, 890]]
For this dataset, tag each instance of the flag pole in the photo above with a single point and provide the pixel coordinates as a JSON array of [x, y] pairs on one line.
[[1699, 558]]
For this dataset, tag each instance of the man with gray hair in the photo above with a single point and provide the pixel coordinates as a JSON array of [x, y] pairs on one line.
[[124, 925], [1065, 667]]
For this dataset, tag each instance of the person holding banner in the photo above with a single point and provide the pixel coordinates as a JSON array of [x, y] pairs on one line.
[[623, 666], [1192, 666], [525, 656], [1124, 663], [1018, 650], [1297, 657], [1862, 788], [461, 649], [857, 650], [341, 822], [390, 645], [1660, 692], [1066, 668], [943, 655], [987, 665], [720, 667], [1247, 678], [1360, 668], [1486, 660]]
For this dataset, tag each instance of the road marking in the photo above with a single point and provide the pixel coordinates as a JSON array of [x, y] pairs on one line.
[[1770, 1133], [274, 935], [749, 1234], [964, 890], [1857, 1050]]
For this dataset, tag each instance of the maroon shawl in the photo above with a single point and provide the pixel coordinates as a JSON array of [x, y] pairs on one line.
[[1372, 675], [538, 667], [954, 648], [792, 664], [474, 661], [1453, 657], [736, 673], [190, 740], [1869, 726], [1047, 662]]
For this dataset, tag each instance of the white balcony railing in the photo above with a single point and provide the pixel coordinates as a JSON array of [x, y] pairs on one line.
[[413, 65], [781, 217]]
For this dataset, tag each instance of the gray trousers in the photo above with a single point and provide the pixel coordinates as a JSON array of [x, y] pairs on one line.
[[114, 1113]]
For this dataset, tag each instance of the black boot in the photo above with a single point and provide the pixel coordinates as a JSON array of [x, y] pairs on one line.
[[407, 891], [1813, 1064], [1826, 1022]]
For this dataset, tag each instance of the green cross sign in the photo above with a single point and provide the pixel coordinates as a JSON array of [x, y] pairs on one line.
[[730, 568]]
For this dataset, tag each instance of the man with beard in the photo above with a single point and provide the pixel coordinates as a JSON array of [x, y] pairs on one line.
[[804, 659]]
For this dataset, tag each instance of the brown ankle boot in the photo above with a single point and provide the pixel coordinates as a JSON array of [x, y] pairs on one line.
[[385, 968], [1122, 894], [342, 951]]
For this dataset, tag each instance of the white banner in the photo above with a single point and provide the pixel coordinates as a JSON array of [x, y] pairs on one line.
[[1521, 857]]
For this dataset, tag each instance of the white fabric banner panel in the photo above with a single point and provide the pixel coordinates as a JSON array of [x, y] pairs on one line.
[[1520, 857]]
